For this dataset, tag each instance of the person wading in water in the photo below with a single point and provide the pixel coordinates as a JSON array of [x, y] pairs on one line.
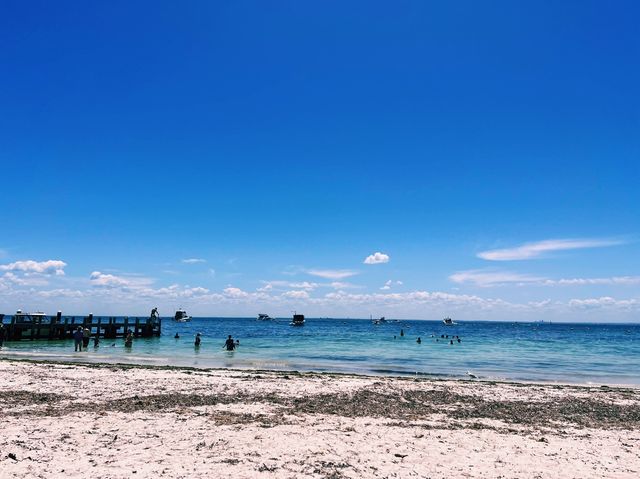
[[230, 344]]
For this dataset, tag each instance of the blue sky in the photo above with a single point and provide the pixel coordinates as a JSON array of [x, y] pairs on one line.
[[280, 144]]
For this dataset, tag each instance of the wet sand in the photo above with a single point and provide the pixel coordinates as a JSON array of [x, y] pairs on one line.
[[107, 421]]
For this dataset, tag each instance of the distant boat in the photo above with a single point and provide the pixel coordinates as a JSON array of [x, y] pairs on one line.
[[265, 317], [381, 320], [181, 316], [448, 321], [298, 320]]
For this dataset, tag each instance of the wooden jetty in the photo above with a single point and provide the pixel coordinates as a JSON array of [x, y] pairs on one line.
[[38, 326]]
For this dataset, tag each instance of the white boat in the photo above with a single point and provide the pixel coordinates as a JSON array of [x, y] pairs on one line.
[[37, 317], [381, 320], [265, 317], [181, 316], [448, 321]]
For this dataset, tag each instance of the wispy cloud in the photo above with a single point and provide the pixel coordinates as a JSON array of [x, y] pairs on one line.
[[489, 278], [485, 278], [539, 248], [377, 258], [194, 260], [615, 280], [335, 274]]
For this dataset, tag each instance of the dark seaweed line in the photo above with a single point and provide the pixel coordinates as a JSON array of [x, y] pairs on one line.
[[367, 402]]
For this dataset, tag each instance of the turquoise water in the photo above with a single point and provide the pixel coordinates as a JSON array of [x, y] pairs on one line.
[[576, 353]]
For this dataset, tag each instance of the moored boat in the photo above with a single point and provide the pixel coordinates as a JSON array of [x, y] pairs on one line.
[[265, 317], [448, 321], [181, 316], [298, 320]]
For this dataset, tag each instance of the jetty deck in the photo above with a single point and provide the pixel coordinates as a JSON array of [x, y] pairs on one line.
[[32, 327]]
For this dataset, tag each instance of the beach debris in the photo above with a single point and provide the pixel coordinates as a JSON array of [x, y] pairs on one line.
[[12, 456], [471, 375], [401, 456], [265, 468]]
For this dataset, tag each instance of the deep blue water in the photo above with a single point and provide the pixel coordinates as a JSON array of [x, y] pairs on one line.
[[576, 353]]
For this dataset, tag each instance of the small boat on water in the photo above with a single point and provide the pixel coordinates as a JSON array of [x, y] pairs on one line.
[[298, 320], [448, 321], [381, 320], [265, 317], [181, 316]]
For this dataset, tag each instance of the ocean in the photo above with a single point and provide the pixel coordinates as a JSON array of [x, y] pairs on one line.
[[546, 352]]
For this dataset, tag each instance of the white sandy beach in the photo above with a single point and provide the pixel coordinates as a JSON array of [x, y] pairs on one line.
[[60, 420]]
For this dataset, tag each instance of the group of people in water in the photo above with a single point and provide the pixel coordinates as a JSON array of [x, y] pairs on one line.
[[230, 344], [82, 337], [446, 337]]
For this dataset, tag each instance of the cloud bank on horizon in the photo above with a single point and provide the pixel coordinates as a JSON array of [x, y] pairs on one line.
[[45, 282]]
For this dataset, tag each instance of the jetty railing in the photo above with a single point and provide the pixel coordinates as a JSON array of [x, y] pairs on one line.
[[24, 327]]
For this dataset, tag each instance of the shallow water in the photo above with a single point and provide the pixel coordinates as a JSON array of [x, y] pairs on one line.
[[563, 352]]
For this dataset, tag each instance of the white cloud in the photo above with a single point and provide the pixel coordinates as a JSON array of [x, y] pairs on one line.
[[485, 278], [304, 285], [335, 274], [108, 280], [49, 267], [194, 260], [296, 294], [388, 284], [376, 258], [606, 302], [537, 249], [235, 293], [343, 285], [25, 280]]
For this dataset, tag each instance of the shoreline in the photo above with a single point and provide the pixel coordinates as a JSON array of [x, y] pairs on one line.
[[165, 421], [399, 376]]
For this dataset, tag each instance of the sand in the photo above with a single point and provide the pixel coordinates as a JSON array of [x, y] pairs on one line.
[[105, 421]]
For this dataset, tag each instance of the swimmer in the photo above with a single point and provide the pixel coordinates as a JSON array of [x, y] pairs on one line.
[[177, 336], [419, 341], [229, 344], [197, 341]]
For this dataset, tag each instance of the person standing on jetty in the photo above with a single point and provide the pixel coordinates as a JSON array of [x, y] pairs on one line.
[[230, 344], [78, 336], [3, 333]]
